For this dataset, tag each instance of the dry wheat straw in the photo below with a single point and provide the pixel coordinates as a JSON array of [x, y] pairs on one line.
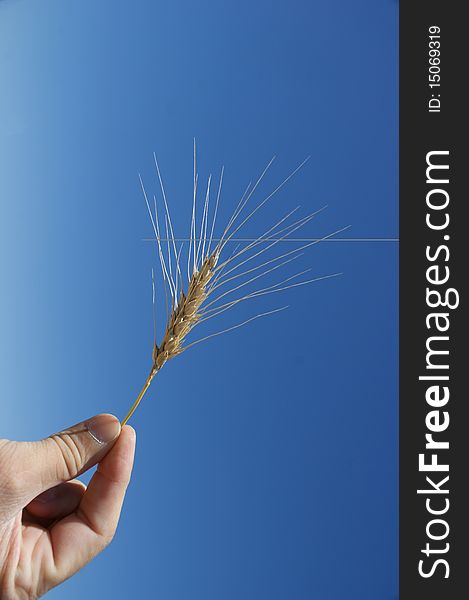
[[206, 273]]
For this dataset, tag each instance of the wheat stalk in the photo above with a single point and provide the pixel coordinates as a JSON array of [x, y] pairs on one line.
[[206, 273]]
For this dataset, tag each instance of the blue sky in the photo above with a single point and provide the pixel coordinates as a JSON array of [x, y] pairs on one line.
[[275, 477]]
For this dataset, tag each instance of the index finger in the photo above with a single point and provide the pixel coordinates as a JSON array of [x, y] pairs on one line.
[[81, 536]]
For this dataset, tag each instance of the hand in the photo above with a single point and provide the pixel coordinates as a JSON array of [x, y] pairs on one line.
[[51, 525]]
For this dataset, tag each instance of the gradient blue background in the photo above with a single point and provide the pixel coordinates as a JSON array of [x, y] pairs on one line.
[[275, 477]]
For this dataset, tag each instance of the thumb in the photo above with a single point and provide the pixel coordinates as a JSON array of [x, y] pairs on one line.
[[64, 455]]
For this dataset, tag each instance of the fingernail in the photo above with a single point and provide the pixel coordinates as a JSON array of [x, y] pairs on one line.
[[104, 428]]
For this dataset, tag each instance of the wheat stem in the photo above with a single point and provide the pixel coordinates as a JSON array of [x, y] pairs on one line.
[[139, 397]]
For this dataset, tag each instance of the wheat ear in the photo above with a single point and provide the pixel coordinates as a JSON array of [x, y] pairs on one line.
[[181, 320], [206, 273]]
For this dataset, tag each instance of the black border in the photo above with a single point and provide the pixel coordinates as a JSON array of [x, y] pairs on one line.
[[421, 132]]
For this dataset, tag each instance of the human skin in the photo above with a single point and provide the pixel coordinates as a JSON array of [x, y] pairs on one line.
[[51, 524]]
